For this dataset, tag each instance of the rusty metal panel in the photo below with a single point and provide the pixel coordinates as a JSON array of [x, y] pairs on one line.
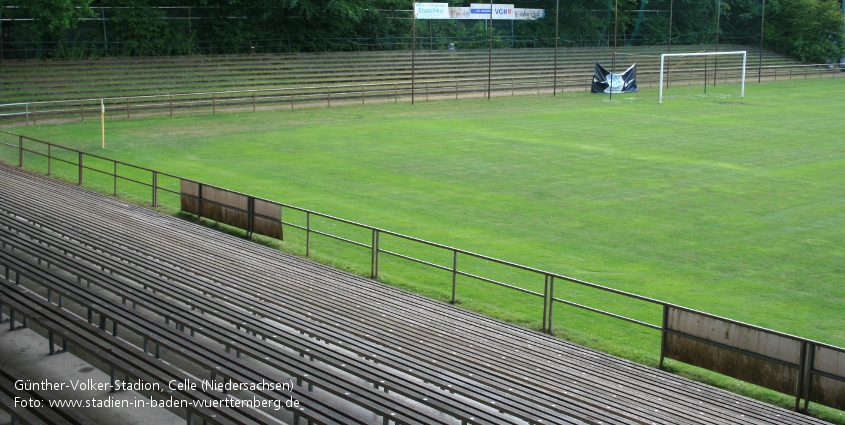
[[727, 362], [735, 335], [266, 227], [191, 188], [769, 374], [827, 391], [217, 211]]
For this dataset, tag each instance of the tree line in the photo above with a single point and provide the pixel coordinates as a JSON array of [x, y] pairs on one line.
[[810, 30]]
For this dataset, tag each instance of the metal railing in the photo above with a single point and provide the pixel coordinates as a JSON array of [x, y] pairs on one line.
[[347, 94], [806, 368]]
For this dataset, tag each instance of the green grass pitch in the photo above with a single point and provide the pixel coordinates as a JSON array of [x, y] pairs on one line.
[[730, 205]]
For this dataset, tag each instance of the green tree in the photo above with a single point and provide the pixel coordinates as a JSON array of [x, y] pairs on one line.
[[50, 17], [810, 30]]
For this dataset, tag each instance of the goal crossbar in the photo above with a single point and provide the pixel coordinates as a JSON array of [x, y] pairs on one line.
[[669, 55]]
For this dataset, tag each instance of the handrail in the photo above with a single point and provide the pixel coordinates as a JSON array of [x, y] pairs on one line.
[[425, 242], [548, 296], [532, 77]]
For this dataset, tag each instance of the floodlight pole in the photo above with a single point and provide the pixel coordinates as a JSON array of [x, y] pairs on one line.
[[671, 16], [718, 30], [669, 42], [413, 49], [557, 37], [1, 37], [105, 37], [762, 28], [615, 36], [490, 53]]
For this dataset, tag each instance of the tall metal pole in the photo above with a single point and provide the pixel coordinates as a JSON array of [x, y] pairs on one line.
[[557, 37], [762, 28], [718, 30], [105, 37], [615, 36], [490, 53], [413, 50], [669, 42], [1, 36], [671, 16]]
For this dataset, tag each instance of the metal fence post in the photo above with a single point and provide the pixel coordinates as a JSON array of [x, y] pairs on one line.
[[199, 201], [35, 115], [171, 105], [155, 188], [291, 98], [454, 275], [663, 334], [328, 97], [799, 384], [551, 302], [546, 303], [127, 107], [362, 94], [250, 216], [82, 111], [213, 103], [281, 223], [307, 233], [253, 101], [81, 167], [808, 375], [374, 262], [20, 151]]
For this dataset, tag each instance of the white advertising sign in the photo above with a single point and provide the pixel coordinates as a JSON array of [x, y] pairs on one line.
[[476, 11], [500, 11], [431, 10], [529, 14], [462, 13], [503, 11]]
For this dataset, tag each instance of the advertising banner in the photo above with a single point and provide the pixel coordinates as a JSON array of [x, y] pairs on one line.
[[432, 10], [529, 14], [462, 13], [503, 11], [481, 11], [605, 81], [500, 11]]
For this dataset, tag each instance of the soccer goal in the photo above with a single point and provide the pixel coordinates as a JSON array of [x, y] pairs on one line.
[[671, 55]]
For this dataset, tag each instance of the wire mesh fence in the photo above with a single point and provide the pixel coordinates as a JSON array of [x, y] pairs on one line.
[[109, 31]]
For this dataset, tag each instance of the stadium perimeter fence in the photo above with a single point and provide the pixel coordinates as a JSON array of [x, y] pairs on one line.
[[394, 26], [806, 369], [27, 113]]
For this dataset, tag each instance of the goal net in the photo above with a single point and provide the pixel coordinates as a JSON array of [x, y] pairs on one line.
[[664, 59]]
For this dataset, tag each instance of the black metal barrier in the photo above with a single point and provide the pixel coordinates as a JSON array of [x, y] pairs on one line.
[[807, 369]]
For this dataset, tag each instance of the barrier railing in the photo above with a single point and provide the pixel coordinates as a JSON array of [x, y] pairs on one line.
[[346, 94], [807, 369]]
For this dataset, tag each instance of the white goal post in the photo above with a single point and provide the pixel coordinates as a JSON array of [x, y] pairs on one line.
[[669, 55]]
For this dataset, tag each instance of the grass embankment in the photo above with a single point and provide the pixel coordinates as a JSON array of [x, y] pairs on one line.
[[729, 205]]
